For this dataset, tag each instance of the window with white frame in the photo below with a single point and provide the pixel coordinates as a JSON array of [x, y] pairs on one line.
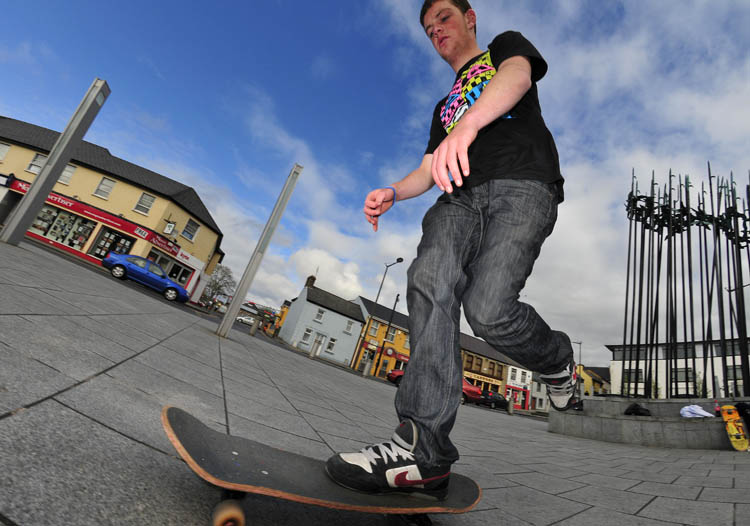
[[105, 188], [319, 315], [3, 150], [513, 374], [67, 174], [349, 327], [145, 203], [391, 334], [374, 327], [190, 230], [308, 334], [523, 376], [35, 166], [331, 345], [406, 342]]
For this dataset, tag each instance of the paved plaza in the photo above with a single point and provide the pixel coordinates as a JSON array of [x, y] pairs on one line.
[[87, 362]]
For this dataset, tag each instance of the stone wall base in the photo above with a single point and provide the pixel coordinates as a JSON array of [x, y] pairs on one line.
[[604, 419]]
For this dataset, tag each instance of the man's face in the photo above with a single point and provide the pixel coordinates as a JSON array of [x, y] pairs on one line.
[[449, 30]]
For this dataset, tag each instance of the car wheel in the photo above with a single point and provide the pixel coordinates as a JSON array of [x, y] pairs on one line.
[[118, 271], [170, 294], [463, 399]]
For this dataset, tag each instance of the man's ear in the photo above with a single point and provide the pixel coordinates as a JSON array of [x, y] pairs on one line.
[[471, 19]]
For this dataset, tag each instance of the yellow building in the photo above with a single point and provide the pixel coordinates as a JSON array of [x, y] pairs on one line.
[[381, 346], [595, 380], [101, 203]]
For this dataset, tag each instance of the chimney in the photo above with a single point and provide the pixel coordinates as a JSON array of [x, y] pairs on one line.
[[310, 282]]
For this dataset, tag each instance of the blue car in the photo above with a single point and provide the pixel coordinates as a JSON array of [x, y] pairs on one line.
[[125, 266]]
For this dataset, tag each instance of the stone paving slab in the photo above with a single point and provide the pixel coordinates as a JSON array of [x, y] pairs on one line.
[[93, 360]]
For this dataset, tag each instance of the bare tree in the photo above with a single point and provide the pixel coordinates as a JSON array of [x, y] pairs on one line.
[[221, 282]]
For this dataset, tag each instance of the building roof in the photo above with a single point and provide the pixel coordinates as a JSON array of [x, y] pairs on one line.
[[335, 303], [481, 347], [100, 159], [376, 310], [601, 372]]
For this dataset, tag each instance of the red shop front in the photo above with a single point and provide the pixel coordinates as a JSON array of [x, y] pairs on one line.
[[86, 231], [518, 395]]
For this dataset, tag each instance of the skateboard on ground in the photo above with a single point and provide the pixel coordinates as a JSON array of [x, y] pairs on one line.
[[241, 466], [735, 428]]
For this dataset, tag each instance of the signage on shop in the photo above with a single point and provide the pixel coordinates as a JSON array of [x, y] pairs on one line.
[[189, 259], [481, 378], [103, 217]]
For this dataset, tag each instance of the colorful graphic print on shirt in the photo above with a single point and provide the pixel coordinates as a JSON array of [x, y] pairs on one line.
[[466, 90]]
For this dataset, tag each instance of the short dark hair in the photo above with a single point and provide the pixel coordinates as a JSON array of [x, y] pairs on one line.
[[462, 5]]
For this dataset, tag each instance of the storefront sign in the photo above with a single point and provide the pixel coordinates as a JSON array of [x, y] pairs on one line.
[[119, 223], [190, 260], [481, 378]]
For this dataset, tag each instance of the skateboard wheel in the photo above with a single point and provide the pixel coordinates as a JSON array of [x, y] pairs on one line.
[[228, 513]]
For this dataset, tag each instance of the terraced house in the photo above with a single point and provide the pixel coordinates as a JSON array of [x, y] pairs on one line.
[[102, 203]]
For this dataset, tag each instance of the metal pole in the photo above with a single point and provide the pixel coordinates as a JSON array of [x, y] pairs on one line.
[[59, 156], [361, 342], [580, 364], [260, 249]]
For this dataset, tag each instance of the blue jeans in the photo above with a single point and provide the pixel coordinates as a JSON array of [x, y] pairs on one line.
[[478, 248]]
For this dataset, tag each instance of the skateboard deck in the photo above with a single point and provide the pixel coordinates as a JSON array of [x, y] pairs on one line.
[[241, 465], [735, 428]]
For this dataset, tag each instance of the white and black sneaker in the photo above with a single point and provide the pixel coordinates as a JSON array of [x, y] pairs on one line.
[[561, 388], [390, 467]]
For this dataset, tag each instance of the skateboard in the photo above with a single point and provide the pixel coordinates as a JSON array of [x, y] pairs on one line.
[[240, 466], [735, 428]]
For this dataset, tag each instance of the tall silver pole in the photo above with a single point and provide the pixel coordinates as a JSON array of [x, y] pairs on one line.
[[260, 249], [27, 210]]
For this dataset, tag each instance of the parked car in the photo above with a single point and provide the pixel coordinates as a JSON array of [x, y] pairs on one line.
[[145, 272], [494, 400], [395, 375], [247, 320], [471, 393]]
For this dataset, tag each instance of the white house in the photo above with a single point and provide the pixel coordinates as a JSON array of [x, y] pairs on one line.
[[323, 324]]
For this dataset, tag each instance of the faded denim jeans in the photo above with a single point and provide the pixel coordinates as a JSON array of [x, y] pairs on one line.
[[478, 248]]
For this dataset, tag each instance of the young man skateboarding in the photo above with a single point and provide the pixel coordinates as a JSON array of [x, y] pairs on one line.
[[479, 243]]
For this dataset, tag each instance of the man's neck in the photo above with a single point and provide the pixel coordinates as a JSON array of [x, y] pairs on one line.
[[463, 57]]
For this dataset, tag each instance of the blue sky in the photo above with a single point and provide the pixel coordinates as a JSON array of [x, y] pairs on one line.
[[227, 96]]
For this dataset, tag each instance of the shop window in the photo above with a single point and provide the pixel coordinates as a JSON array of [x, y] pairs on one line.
[[190, 230], [349, 327], [62, 227], [36, 163], [3, 150], [105, 188], [178, 273], [67, 174], [145, 203], [111, 240]]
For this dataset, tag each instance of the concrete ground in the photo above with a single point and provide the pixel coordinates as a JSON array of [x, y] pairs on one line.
[[87, 362]]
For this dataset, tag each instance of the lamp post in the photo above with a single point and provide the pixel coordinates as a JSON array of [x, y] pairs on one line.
[[369, 319], [385, 336], [581, 366]]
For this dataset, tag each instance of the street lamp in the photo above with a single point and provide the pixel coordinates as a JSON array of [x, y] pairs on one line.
[[369, 320], [580, 364]]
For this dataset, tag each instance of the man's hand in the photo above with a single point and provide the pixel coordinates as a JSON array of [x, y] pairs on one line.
[[377, 203], [454, 150]]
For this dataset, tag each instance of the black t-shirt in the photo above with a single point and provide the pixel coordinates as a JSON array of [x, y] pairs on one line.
[[517, 145]]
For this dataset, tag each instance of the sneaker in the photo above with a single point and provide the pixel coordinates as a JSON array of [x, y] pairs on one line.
[[561, 387], [390, 467]]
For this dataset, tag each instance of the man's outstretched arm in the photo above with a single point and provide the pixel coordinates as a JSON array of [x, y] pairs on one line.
[[380, 200]]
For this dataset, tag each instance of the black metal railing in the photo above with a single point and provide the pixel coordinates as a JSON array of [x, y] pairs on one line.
[[685, 323]]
